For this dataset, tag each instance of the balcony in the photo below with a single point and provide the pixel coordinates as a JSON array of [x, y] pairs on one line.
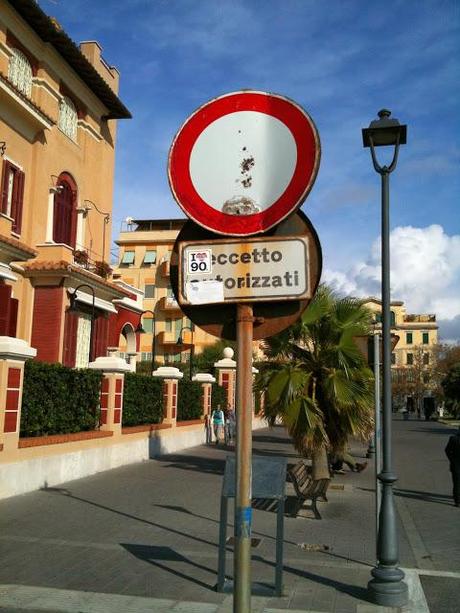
[[169, 304], [163, 269]]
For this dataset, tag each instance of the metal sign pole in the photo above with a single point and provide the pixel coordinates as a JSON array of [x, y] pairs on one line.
[[243, 489]]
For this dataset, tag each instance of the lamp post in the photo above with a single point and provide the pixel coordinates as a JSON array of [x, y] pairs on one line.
[[73, 308], [387, 587], [192, 346], [141, 330]]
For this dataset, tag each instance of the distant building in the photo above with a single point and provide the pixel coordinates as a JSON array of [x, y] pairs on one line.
[[413, 354], [58, 112], [145, 251]]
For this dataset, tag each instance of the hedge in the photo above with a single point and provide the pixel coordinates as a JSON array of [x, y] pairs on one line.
[[143, 400], [218, 397], [59, 400], [190, 400]]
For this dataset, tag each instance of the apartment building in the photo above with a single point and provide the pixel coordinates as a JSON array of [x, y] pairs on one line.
[[144, 254], [59, 108]]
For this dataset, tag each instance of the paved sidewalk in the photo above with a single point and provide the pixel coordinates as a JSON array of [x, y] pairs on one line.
[[145, 537]]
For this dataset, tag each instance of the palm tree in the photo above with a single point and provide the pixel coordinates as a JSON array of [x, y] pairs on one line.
[[317, 380]]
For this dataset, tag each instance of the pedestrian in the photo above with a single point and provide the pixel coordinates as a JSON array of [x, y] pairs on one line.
[[208, 427], [218, 423], [341, 457], [230, 427], [453, 453]]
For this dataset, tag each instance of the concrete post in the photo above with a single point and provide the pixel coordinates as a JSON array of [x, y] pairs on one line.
[[113, 370], [226, 376], [170, 376], [206, 381], [13, 354]]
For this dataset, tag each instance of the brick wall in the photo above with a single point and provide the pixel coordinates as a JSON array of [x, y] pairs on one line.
[[46, 325]]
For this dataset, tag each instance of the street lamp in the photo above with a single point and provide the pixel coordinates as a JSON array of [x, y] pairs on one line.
[[192, 347], [141, 330], [74, 309], [387, 587]]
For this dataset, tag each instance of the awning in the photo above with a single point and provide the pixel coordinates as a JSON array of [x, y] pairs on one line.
[[103, 305]]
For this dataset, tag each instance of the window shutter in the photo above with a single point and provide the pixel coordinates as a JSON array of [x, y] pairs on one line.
[[100, 336], [70, 338], [5, 309], [14, 302], [4, 194], [18, 198]]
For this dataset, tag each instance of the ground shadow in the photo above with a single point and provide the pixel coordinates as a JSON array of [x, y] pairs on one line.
[[355, 591], [416, 495], [214, 466], [67, 493], [445, 430], [263, 438], [154, 554]]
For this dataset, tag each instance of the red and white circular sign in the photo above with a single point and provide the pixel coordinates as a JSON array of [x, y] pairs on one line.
[[243, 162]]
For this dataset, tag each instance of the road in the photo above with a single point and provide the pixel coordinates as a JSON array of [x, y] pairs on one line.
[[148, 532]]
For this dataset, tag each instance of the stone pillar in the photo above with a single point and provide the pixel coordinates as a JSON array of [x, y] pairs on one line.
[[226, 376], [206, 381], [170, 376], [112, 385], [13, 354]]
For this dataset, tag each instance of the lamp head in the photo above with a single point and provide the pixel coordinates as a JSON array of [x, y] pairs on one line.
[[384, 131], [73, 303], [139, 329]]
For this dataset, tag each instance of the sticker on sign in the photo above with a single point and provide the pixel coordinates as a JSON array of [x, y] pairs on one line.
[[199, 261], [244, 271]]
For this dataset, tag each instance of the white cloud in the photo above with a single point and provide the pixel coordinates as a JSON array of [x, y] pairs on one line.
[[425, 271]]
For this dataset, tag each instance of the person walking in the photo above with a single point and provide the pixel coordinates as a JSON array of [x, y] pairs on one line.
[[218, 423], [230, 427], [453, 453]]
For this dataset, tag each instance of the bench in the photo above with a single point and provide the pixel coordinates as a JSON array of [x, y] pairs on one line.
[[307, 488]]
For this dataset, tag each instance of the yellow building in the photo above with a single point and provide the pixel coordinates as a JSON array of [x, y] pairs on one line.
[[58, 112], [413, 357], [418, 334], [145, 251]]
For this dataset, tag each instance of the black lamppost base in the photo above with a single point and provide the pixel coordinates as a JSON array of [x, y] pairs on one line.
[[387, 588]]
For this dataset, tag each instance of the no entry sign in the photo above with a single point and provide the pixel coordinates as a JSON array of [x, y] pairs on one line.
[[243, 162]]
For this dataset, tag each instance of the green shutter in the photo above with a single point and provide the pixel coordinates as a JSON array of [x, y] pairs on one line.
[[128, 257]]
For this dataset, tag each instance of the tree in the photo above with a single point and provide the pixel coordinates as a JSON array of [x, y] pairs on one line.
[[451, 386], [319, 383]]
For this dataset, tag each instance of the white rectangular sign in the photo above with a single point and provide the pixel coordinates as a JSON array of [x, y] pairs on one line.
[[244, 270]]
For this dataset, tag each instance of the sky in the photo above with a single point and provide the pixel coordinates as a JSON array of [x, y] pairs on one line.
[[341, 61]]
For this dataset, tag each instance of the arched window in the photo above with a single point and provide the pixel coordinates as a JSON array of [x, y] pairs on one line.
[[65, 211], [68, 118], [20, 72]]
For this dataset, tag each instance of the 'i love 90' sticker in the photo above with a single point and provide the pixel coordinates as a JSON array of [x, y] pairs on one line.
[[199, 261]]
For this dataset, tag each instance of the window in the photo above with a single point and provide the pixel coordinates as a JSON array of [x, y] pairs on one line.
[[426, 378], [146, 356], [65, 211], [392, 318], [68, 118], [410, 359], [169, 292], [12, 194], [147, 324], [149, 291], [177, 327], [20, 72], [409, 340], [426, 358], [425, 338], [393, 358], [168, 325], [378, 318], [128, 258], [150, 257]]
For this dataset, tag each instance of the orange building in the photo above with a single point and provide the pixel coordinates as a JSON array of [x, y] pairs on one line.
[[59, 108]]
